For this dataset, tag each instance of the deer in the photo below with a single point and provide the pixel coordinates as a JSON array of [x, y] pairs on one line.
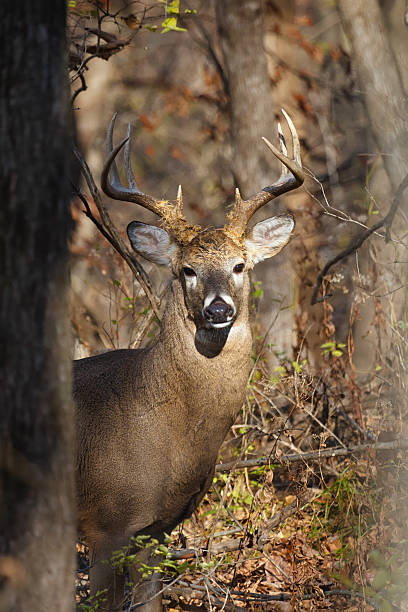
[[150, 421]]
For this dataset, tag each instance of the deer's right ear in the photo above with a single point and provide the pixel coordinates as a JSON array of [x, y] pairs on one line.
[[152, 242]]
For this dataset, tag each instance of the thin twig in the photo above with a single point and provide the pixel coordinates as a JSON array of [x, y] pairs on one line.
[[258, 543], [361, 238]]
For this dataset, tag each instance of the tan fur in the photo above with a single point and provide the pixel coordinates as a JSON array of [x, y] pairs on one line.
[[150, 424], [210, 247]]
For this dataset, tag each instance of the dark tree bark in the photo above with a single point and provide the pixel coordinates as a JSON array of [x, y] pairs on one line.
[[37, 532], [241, 29]]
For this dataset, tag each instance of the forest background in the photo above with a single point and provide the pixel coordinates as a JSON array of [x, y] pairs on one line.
[[306, 513]]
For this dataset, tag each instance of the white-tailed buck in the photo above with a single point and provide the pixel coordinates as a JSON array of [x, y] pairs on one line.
[[151, 421]]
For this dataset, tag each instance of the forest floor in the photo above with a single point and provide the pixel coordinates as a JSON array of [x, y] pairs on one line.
[[308, 505]]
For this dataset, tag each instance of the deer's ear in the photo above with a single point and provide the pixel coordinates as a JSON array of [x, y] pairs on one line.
[[268, 237], [152, 242]]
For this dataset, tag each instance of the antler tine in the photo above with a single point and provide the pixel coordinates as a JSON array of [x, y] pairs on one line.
[[295, 138], [109, 148], [179, 201], [113, 186], [129, 172], [292, 176], [283, 148]]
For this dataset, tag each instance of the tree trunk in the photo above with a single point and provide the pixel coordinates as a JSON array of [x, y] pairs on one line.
[[386, 105], [37, 525], [385, 99], [240, 27]]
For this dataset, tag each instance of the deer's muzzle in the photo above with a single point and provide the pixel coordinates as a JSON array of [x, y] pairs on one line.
[[218, 312]]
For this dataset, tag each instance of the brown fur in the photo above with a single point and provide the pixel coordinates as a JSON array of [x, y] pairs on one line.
[[150, 424]]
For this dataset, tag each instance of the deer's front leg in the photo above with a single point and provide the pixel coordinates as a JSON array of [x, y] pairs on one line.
[[146, 591], [107, 584]]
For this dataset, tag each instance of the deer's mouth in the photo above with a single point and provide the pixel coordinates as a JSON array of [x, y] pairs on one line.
[[221, 325]]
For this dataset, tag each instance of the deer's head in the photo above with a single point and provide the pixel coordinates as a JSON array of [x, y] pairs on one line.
[[212, 264]]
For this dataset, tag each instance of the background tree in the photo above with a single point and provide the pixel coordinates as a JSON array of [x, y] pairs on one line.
[[37, 518], [254, 114], [381, 75]]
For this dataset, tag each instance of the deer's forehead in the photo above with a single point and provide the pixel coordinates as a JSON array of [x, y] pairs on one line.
[[212, 248]]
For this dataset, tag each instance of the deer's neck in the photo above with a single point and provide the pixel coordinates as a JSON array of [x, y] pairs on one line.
[[205, 348], [214, 384]]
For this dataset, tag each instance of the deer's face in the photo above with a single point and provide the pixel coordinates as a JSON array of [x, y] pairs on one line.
[[213, 269], [213, 272]]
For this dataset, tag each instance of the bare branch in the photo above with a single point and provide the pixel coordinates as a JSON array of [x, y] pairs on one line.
[[83, 87], [107, 228], [312, 455], [196, 591]]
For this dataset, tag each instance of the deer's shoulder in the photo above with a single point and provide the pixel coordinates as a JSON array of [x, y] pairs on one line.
[[106, 376]]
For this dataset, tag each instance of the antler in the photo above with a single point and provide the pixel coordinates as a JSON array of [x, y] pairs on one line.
[[171, 215], [292, 176]]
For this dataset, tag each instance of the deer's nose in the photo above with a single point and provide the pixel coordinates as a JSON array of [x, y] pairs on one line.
[[218, 311]]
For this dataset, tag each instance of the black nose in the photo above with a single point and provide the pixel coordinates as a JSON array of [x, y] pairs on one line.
[[218, 311]]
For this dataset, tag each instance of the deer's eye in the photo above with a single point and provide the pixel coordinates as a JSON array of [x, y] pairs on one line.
[[239, 268], [189, 271]]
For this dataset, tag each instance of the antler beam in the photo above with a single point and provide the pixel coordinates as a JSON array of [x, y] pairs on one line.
[[172, 215], [292, 176], [110, 181]]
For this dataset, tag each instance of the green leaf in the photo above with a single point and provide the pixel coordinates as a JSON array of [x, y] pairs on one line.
[[296, 366], [170, 24], [173, 7]]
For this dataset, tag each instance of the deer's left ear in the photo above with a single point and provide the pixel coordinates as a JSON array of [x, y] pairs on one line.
[[268, 237]]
